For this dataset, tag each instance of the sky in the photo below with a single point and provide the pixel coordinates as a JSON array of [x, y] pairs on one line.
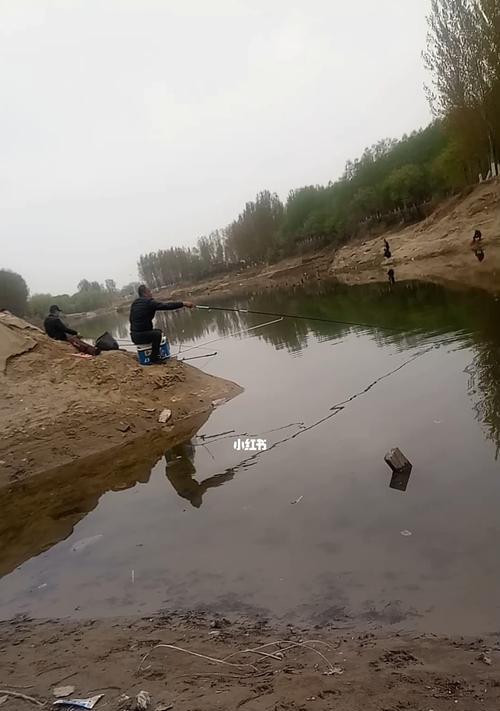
[[128, 126]]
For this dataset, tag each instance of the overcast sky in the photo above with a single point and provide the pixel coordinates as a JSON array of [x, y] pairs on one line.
[[132, 125]]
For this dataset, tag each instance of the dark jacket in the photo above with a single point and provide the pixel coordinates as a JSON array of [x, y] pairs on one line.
[[142, 312], [55, 328]]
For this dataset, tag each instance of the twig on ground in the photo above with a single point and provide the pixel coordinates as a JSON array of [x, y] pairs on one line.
[[68, 676], [289, 645], [195, 654], [17, 695]]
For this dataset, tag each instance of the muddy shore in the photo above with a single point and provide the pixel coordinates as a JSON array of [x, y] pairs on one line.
[[350, 669]]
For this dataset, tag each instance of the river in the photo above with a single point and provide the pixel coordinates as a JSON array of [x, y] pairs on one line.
[[308, 530]]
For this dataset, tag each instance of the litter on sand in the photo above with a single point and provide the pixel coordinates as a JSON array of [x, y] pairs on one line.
[[142, 701], [123, 702], [80, 703], [3, 699], [165, 415], [406, 533], [297, 501], [484, 658], [334, 670], [62, 691]]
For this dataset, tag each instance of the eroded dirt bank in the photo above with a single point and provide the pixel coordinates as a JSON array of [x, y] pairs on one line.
[[437, 250], [58, 408], [349, 669]]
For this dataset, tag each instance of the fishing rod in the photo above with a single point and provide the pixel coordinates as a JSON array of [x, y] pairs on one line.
[[204, 355], [298, 316]]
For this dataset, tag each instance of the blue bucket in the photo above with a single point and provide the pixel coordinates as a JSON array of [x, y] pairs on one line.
[[144, 352]]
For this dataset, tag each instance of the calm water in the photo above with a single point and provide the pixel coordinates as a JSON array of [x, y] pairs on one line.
[[207, 526]]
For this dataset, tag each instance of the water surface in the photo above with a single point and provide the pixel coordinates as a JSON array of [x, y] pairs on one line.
[[207, 526]]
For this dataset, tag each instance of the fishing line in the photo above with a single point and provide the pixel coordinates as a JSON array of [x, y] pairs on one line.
[[221, 338], [280, 317], [235, 333], [299, 316], [333, 412]]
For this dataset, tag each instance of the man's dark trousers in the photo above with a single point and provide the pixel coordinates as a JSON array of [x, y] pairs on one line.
[[154, 337]]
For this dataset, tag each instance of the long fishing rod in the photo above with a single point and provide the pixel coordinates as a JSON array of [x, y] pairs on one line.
[[298, 316]]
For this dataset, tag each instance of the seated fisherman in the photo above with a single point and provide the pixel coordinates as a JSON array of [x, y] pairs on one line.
[[142, 313], [57, 329]]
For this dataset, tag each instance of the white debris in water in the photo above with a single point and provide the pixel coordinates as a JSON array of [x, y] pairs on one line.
[[406, 533], [85, 543]]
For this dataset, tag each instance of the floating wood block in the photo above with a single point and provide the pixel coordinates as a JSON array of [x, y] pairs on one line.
[[397, 461], [401, 469]]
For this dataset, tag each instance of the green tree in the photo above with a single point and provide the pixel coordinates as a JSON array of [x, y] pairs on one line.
[[463, 57], [13, 292], [406, 185], [84, 285]]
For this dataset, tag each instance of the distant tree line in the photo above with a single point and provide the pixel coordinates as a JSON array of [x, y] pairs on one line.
[[386, 185], [90, 295]]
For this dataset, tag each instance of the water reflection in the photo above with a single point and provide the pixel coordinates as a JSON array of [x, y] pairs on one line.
[[484, 391], [399, 480], [180, 471], [43, 511]]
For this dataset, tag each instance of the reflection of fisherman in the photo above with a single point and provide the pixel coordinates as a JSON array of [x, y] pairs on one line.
[[180, 474]]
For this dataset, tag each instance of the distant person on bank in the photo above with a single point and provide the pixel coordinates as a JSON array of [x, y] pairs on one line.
[[142, 313], [57, 329]]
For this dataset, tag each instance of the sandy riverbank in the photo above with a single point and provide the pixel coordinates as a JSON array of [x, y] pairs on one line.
[[58, 408], [349, 669], [436, 250]]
